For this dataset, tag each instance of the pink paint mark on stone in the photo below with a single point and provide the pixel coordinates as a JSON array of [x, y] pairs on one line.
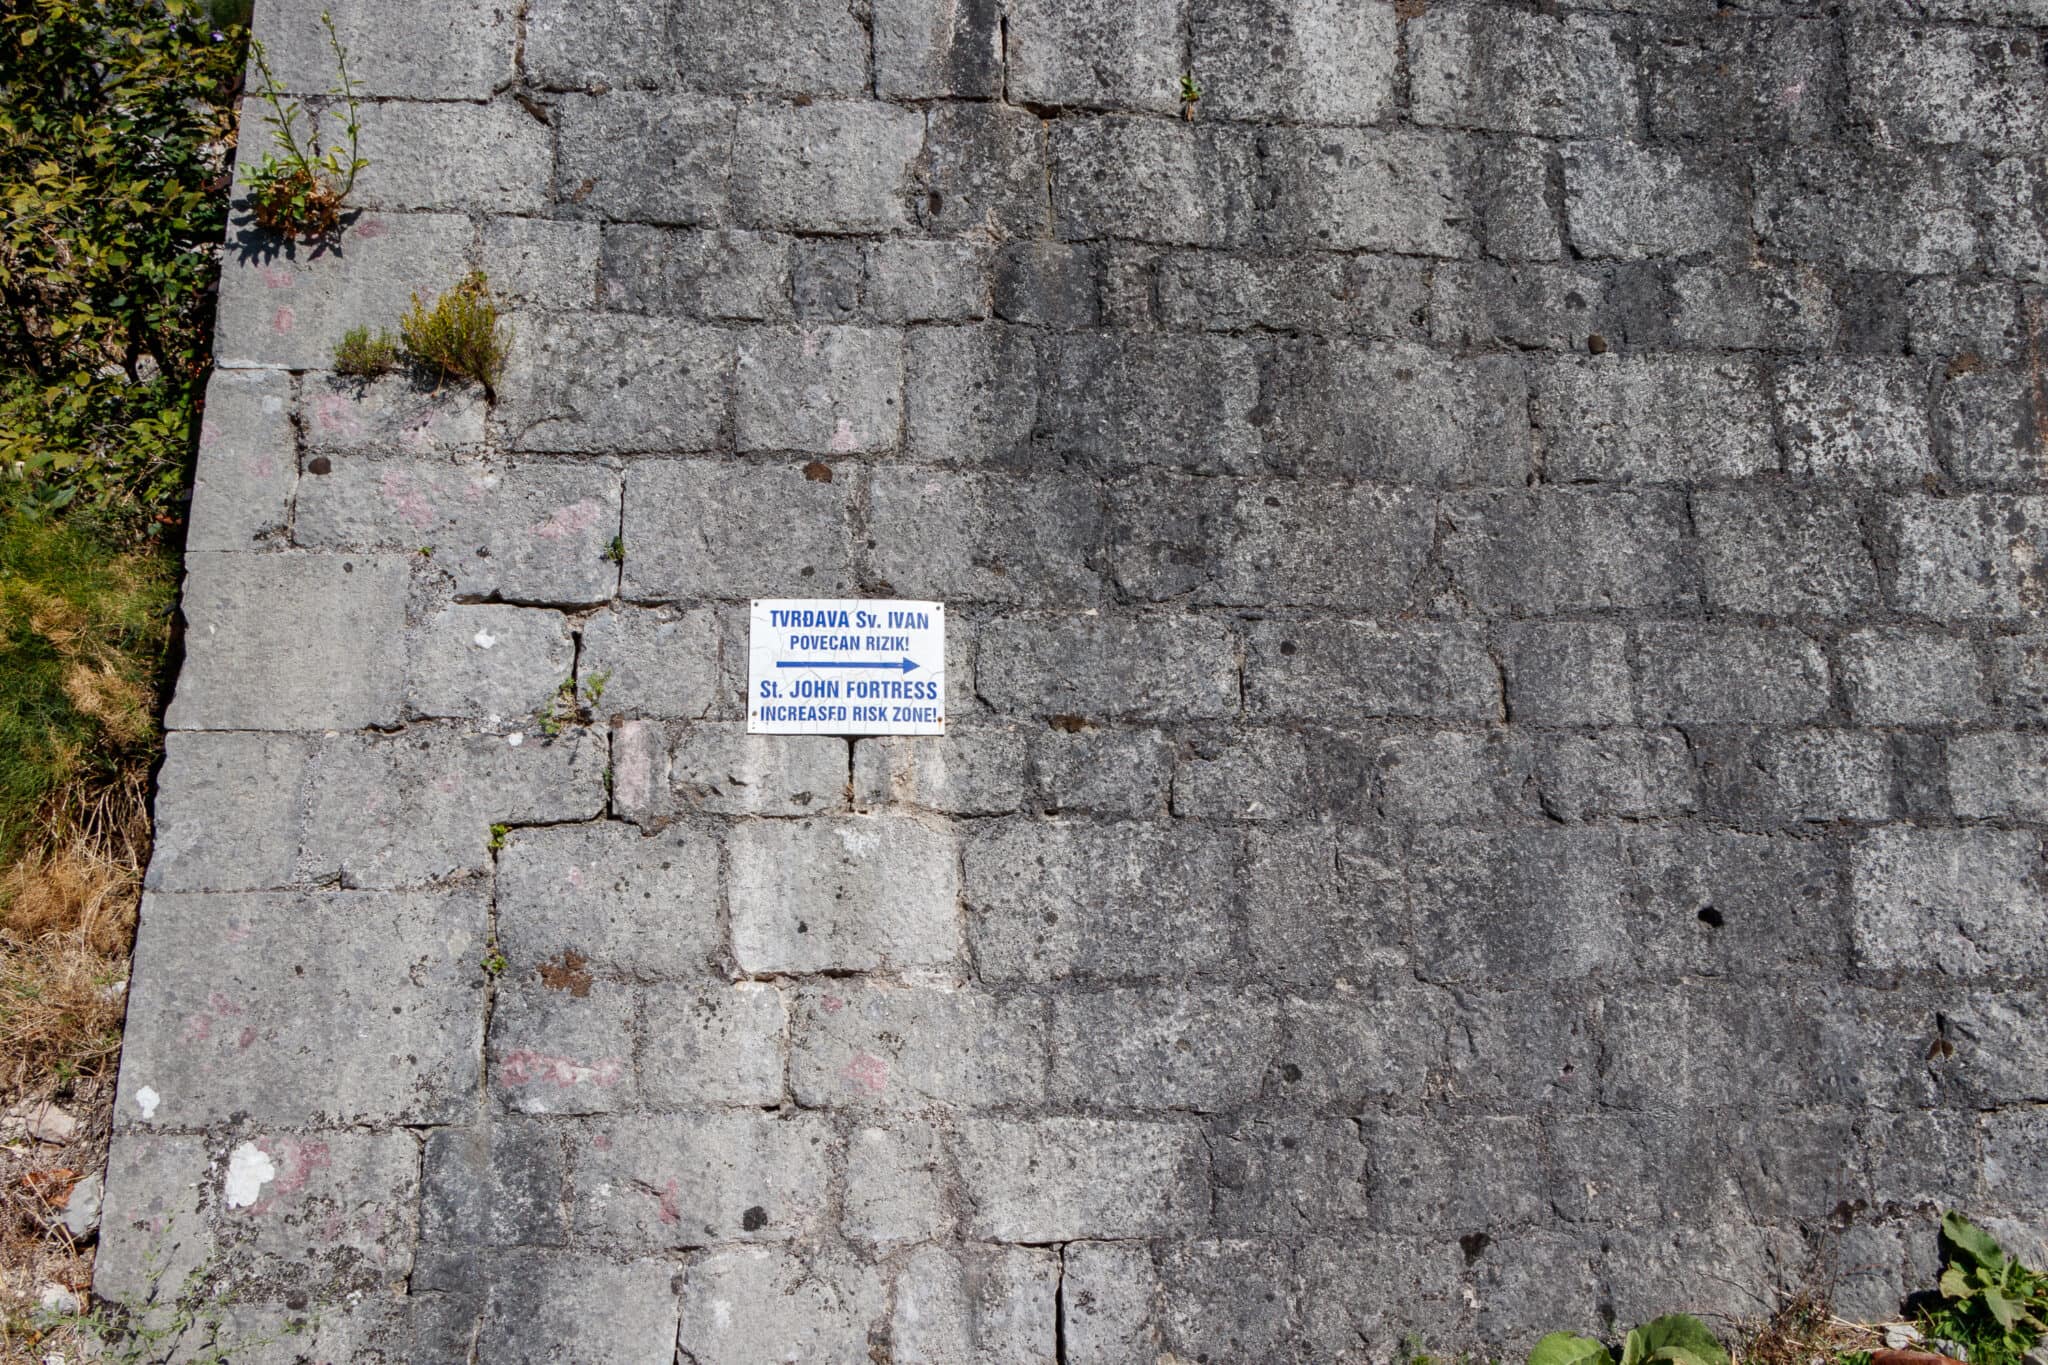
[[833, 1004], [263, 466], [283, 321], [844, 442], [410, 502], [335, 413], [602, 1142], [247, 1040], [1789, 98], [569, 521], [208, 433], [869, 1072], [277, 277], [633, 759], [526, 1067], [370, 229], [575, 875], [810, 343], [668, 1206]]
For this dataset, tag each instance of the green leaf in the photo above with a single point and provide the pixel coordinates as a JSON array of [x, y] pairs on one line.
[[1972, 1241], [1679, 1332], [1955, 1283], [1562, 1348], [2001, 1307]]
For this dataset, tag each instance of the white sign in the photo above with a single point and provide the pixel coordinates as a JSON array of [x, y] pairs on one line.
[[817, 666]]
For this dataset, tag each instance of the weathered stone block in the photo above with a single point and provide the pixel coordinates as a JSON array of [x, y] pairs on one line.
[[1173, 183], [1979, 555], [1530, 905], [642, 906], [1962, 902], [1356, 1049], [1364, 668], [717, 768], [1106, 900], [884, 1047], [1134, 668], [713, 528], [1326, 909], [1653, 420], [460, 49], [1055, 1180], [1370, 296], [709, 274], [497, 1183], [1050, 284], [588, 384], [1522, 1052], [1947, 85], [1754, 307], [893, 1184], [542, 263], [1790, 776], [1454, 775], [1482, 1174], [980, 771], [1101, 772], [1633, 202], [537, 1309], [488, 663], [1784, 554], [1630, 774], [836, 390], [339, 1214], [563, 1044], [996, 1304], [712, 1045], [682, 1180], [827, 167], [1521, 211], [1725, 904], [985, 537], [1199, 1050], [970, 394], [655, 661], [400, 413], [916, 281], [1246, 775], [292, 642], [1399, 413], [853, 893], [1548, 552], [2000, 775], [461, 158], [794, 47], [227, 811], [2019, 671], [984, 171], [1723, 76], [1117, 402], [1876, 212], [1338, 189], [248, 464], [1988, 423], [220, 1029], [1476, 66], [927, 49], [1568, 673], [1356, 548], [644, 158], [569, 46], [1729, 675], [1094, 54], [1487, 305], [1864, 422], [290, 306], [1107, 1302], [1322, 61], [1906, 677], [742, 1305]]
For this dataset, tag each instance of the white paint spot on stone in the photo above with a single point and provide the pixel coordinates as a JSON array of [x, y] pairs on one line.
[[484, 639], [515, 740], [146, 1099], [249, 1169]]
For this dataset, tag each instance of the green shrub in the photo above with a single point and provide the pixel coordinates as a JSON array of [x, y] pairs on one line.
[[363, 354], [459, 336], [116, 124], [1991, 1305], [298, 190], [1674, 1339]]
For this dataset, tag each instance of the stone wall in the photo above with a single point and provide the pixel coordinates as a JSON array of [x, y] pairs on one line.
[[1497, 775]]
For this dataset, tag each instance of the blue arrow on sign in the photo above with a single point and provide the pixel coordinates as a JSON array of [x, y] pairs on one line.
[[893, 665]]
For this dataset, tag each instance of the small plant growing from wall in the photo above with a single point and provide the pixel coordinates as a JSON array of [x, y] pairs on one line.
[[1189, 94], [459, 335], [298, 190], [364, 354]]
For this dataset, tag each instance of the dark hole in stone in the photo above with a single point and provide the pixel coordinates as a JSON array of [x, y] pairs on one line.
[[1287, 646], [802, 927], [817, 471], [1474, 1244], [1289, 1072], [934, 201], [320, 464], [1711, 917], [754, 1219]]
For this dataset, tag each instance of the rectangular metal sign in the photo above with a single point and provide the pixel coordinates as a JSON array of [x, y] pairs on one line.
[[819, 666]]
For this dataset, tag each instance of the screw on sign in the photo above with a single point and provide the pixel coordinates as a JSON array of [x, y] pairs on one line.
[[826, 666]]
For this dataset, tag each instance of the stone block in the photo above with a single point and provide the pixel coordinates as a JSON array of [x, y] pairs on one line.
[[1126, 668], [337, 1214], [1539, 904], [1172, 537], [851, 893], [640, 906], [1522, 1052], [792, 47], [220, 1029], [916, 281], [289, 307], [248, 463], [663, 1181], [1049, 284], [1626, 774], [742, 1305], [1363, 1296], [292, 642], [2015, 241], [1471, 1175], [1355, 1049], [710, 1045], [1979, 555], [570, 46], [1756, 307], [2019, 673], [1999, 775], [561, 1043], [984, 171], [1455, 775], [416, 807], [589, 384], [1151, 180], [1521, 212], [537, 1308], [488, 663], [1716, 674], [1855, 423], [1726, 904], [720, 769], [1568, 673], [1487, 305], [913, 1048], [1400, 413], [1664, 419], [1059, 1179], [155, 1222], [1987, 422], [1101, 772], [1367, 296], [1960, 319], [399, 414], [893, 1184], [1875, 211], [982, 771], [460, 49], [1094, 54], [698, 529], [1784, 554], [1112, 402], [1476, 66], [995, 1304], [1757, 77], [836, 166], [1363, 668], [1789, 776], [1910, 677], [1356, 548], [457, 158], [630, 157], [2014, 1168], [826, 390], [927, 49], [227, 811], [1628, 202], [1107, 1302], [542, 263], [1244, 775], [1556, 551], [970, 394], [1323, 908], [1322, 61], [1106, 900], [1341, 190], [656, 661], [498, 1183], [1202, 1050], [735, 275], [1947, 85], [1966, 903]]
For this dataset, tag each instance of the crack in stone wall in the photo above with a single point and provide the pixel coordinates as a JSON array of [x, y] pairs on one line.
[[1497, 773]]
